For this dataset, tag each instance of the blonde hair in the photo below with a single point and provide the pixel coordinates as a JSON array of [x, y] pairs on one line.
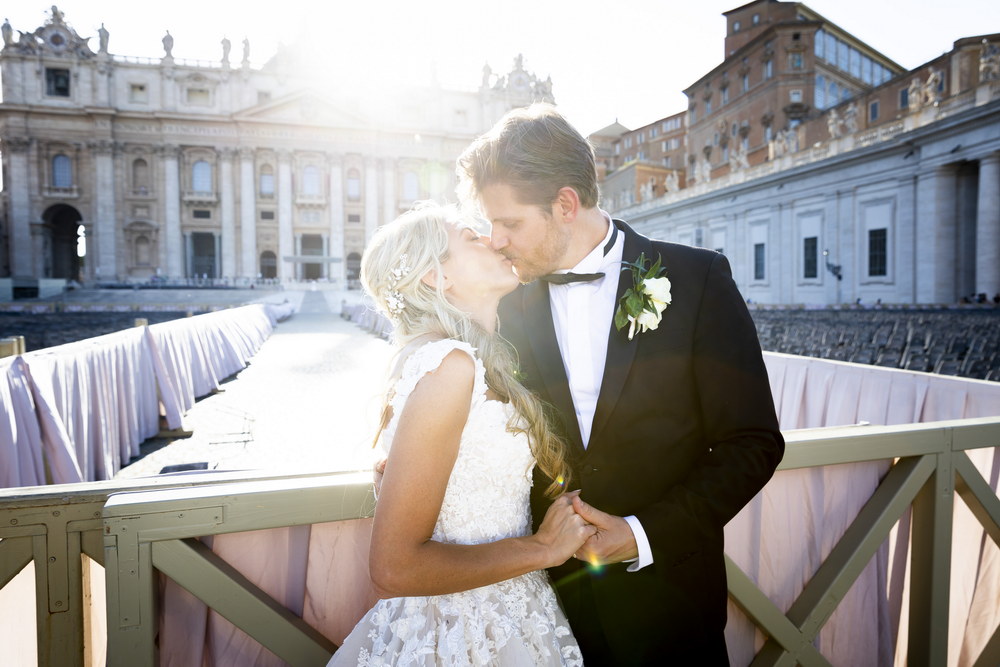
[[535, 151], [398, 256]]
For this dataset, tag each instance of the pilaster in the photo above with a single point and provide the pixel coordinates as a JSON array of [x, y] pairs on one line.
[[988, 227], [248, 215], [227, 268], [285, 249]]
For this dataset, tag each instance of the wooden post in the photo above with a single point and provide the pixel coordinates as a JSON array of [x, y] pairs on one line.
[[8, 347]]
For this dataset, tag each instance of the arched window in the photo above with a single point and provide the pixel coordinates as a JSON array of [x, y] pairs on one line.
[[267, 181], [140, 177], [62, 172], [353, 184], [311, 181], [201, 176], [142, 253], [411, 187]]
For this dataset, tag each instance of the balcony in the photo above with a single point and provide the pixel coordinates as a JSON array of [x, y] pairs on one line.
[[194, 197], [50, 192]]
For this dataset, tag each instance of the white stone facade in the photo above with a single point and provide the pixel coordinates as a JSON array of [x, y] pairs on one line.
[[176, 169], [914, 218]]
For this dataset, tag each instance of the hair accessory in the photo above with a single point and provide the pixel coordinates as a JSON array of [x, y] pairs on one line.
[[393, 299]]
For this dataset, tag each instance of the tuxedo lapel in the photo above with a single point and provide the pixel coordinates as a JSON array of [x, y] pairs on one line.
[[542, 338], [621, 350]]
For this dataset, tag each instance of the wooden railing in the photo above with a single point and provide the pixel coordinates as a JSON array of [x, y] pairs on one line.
[[51, 527], [154, 527]]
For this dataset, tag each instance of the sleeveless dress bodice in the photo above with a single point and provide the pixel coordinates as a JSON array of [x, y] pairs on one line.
[[512, 622]]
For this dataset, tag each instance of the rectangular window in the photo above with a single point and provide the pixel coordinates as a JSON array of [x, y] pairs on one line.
[[758, 261], [266, 185], [768, 69], [746, 82], [267, 215], [354, 217], [201, 214], [708, 107], [819, 43], [873, 111], [795, 96], [819, 92], [904, 98], [725, 95], [877, 251], [56, 82], [810, 258], [795, 61], [199, 96], [137, 93]]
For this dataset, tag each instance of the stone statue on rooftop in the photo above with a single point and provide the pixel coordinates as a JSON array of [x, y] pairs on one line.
[[931, 93], [246, 50], [57, 16], [851, 118], [671, 183], [168, 45], [8, 33], [833, 123], [989, 61], [226, 46], [915, 94], [487, 75], [102, 36]]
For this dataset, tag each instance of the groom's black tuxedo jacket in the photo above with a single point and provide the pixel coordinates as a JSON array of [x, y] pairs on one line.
[[684, 435]]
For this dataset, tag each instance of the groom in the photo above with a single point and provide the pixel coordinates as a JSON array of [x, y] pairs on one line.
[[670, 421]]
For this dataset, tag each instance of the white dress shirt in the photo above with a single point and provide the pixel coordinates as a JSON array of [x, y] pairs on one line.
[[582, 313]]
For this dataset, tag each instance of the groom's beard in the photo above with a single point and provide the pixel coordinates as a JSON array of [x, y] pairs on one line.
[[542, 259]]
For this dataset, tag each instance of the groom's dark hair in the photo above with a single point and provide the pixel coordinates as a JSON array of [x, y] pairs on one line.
[[536, 152]]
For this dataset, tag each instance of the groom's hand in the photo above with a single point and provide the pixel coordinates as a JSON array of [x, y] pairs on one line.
[[612, 543]]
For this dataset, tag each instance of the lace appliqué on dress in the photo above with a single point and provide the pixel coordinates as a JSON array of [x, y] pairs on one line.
[[513, 622]]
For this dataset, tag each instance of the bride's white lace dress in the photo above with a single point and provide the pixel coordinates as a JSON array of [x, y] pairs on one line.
[[513, 622]]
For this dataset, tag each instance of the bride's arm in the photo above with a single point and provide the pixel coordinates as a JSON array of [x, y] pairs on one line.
[[404, 560]]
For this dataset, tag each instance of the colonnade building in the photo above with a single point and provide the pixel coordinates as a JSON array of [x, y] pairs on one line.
[[170, 169], [824, 171]]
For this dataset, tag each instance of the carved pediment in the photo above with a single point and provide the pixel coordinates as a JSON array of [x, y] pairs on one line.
[[304, 107]]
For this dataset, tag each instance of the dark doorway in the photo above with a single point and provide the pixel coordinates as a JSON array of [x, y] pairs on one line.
[[203, 254], [312, 246], [64, 230], [268, 265]]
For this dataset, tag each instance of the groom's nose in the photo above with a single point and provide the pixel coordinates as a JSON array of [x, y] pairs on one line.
[[497, 241]]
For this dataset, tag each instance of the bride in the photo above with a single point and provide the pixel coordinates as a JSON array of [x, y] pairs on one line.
[[461, 577]]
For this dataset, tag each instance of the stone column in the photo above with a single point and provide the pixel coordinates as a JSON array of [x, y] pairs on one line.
[[285, 248], [172, 212], [248, 215], [371, 197], [936, 232], [324, 268], [218, 255], [227, 267], [389, 198], [988, 227], [105, 232], [336, 270], [16, 183], [189, 256], [297, 266]]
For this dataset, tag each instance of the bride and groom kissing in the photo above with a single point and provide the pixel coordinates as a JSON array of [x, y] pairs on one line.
[[575, 413]]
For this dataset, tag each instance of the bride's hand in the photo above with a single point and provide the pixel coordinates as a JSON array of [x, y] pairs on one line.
[[563, 531]]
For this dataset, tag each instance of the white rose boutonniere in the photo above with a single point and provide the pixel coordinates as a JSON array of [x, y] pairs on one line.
[[642, 305]]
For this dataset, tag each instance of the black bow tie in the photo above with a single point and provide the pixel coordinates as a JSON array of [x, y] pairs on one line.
[[566, 278]]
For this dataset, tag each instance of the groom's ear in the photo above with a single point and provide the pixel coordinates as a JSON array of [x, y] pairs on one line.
[[567, 203]]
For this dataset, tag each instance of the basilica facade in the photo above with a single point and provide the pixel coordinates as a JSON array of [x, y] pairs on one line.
[[123, 169]]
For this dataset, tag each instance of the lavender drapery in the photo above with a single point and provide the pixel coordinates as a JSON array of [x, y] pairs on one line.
[[82, 409]]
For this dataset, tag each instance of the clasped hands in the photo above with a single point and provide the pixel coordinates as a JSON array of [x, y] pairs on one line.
[[596, 537], [575, 529]]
